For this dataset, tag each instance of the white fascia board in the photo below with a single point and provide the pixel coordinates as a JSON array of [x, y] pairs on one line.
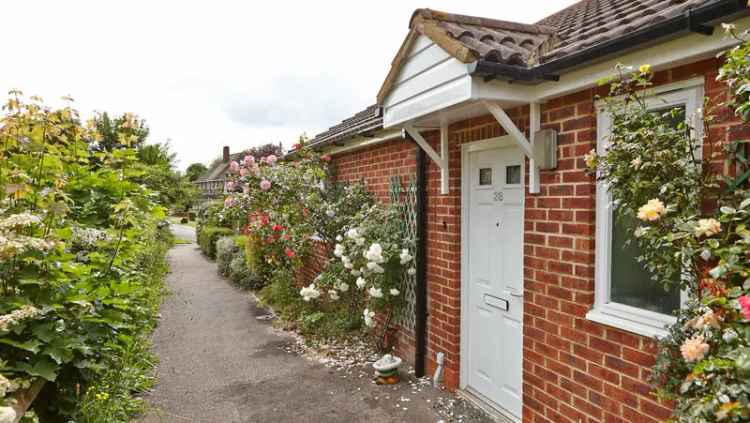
[[363, 142], [438, 98]]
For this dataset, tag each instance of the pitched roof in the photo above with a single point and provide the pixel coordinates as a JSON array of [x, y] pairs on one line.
[[523, 51], [219, 169], [366, 121], [489, 39], [590, 22]]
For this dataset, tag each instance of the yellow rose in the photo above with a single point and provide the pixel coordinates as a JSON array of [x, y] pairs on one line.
[[590, 159], [707, 227], [652, 210], [694, 349], [645, 68]]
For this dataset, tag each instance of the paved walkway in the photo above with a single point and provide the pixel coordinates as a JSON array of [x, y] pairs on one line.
[[219, 364]]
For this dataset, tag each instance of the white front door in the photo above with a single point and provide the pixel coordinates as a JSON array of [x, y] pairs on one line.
[[494, 276]]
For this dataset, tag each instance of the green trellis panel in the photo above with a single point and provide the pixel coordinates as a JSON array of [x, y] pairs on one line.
[[405, 198]]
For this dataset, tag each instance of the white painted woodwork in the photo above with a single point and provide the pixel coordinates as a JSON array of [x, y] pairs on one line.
[[363, 142], [432, 83], [429, 80], [440, 159], [535, 124], [492, 277]]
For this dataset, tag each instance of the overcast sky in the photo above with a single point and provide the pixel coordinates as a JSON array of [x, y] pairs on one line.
[[211, 73]]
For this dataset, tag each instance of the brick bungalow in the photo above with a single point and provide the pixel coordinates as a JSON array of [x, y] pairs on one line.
[[524, 285]]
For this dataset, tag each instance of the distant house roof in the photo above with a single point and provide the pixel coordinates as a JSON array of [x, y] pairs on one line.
[[219, 169], [362, 123]]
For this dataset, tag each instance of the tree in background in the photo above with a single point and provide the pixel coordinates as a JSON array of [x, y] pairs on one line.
[[160, 175], [112, 131], [195, 170]]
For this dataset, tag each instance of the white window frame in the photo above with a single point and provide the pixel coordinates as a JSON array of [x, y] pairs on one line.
[[605, 311]]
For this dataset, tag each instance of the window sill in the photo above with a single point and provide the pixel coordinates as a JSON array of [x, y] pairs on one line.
[[640, 322]]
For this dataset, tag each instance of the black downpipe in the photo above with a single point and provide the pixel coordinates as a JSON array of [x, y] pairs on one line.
[[420, 306]]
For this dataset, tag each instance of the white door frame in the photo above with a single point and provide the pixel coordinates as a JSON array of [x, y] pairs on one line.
[[471, 147]]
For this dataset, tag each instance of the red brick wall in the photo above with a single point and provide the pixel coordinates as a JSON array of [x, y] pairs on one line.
[[574, 370]]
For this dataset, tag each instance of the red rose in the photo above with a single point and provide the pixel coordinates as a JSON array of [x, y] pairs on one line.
[[289, 252], [277, 227]]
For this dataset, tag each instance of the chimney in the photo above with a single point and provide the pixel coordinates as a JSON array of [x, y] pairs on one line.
[[226, 154]]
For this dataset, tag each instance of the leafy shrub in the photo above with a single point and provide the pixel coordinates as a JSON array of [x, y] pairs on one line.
[[226, 250], [81, 260], [281, 294], [208, 236], [232, 262]]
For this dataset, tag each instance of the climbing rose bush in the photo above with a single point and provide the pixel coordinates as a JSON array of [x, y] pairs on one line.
[[370, 259], [693, 232], [276, 204]]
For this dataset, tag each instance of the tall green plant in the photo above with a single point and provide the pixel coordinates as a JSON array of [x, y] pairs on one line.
[[74, 222]]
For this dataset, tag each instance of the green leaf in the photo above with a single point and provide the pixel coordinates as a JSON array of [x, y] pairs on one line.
[[32, 345], [42, 367], [743, 363]]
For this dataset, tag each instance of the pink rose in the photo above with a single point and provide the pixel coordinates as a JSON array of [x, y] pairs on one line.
[[745, 306], [229, 202], [234, 166], [265, 185], [249, 160], [271, 159], [230, 186], [243, 172]]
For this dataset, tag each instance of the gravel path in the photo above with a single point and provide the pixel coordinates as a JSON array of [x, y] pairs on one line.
[[219, 363]]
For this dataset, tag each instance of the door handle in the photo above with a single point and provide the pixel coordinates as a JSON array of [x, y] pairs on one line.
[[514, 292]]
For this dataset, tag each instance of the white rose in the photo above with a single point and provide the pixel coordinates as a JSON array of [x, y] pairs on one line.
[[374, 267], [343, 287], [352, 233], [7, 415], [412, 271], [361, 282], [368, 318], [405, 256], [395, 291], [333, 295], [376, 292]]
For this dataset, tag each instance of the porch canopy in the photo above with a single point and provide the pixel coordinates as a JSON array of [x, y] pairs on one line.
[[453, 67]]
